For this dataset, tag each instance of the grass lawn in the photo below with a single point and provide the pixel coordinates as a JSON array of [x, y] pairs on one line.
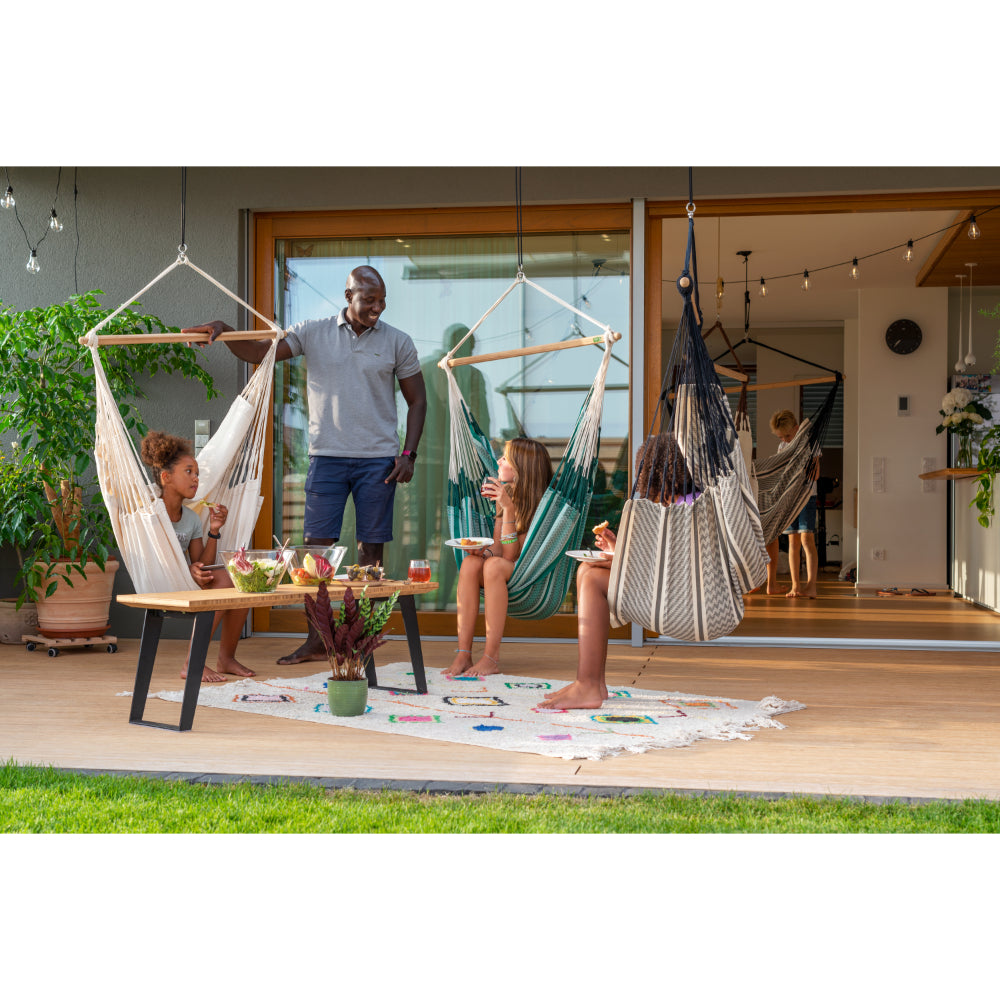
[[43, 800]]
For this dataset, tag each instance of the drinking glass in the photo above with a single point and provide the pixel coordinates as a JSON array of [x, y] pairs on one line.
[[420, 571]]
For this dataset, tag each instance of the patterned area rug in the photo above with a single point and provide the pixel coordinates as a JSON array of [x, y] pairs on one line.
[[499, 712]]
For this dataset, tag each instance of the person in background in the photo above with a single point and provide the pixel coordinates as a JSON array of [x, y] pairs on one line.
[[354, 361], [175, 471]]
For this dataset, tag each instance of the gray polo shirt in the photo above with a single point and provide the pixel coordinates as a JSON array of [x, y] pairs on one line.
[[351, 381]]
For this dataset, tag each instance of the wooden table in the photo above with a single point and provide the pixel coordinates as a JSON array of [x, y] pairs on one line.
[[203, 604]]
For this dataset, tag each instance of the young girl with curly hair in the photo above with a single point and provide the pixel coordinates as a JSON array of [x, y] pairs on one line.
[[175, 473]]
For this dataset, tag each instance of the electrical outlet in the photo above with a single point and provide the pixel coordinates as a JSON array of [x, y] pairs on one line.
[[878, 554]]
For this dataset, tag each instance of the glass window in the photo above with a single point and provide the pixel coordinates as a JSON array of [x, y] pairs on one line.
[[436, 289]]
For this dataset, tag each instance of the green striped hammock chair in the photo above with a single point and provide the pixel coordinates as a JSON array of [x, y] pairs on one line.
[[543, 572]]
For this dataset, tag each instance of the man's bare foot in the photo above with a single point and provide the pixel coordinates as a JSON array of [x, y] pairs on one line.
[[207, 676], [461, 663], [483, 667], [577, 695], [304, 654], [776, 593], [233, 666]]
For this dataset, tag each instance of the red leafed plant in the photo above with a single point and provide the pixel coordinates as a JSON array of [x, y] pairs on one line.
[[352, 634]]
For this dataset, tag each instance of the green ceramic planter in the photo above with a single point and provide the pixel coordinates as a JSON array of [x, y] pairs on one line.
[[347, 697]]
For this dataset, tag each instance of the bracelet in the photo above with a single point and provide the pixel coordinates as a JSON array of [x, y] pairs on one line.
[[508, 541], [213, 535]]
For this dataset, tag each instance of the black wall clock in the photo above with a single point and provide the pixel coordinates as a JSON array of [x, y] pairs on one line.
[[903, 336]]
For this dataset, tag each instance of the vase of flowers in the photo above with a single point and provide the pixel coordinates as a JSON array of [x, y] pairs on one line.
[[963, 414], [349, 638]]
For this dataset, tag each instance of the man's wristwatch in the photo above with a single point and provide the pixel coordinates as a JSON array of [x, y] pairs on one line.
[[410, 454]]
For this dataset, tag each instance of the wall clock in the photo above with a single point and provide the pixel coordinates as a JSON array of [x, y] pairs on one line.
[[903, 336]]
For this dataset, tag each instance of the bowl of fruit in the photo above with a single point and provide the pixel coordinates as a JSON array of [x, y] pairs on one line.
[[257, 571], [315, 563]]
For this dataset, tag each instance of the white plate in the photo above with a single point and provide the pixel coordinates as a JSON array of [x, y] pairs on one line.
[[589, 555], [478, 542]]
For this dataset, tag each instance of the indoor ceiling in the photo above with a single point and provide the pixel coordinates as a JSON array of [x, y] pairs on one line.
[[783, 246]]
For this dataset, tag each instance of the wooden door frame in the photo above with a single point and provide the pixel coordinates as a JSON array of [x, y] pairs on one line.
[[268, 227]]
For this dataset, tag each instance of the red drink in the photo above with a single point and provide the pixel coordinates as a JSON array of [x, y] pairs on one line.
[[419, 574]]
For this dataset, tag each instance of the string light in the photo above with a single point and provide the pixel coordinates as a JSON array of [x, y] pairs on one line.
[[805, 281], [855, 270], [973, 229], [763, 289], [908, 256], [54, 223]]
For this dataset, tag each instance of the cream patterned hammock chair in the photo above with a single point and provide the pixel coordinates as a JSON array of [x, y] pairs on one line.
[[230, 465]]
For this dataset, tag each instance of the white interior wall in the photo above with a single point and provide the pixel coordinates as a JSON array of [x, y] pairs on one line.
[[907, 521], [850, 478]]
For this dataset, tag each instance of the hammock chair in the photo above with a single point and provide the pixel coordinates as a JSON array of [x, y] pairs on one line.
[[783, 482], [689, 549], [543, 572], [230, 465]]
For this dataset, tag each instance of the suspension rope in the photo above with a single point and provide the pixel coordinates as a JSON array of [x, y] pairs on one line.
[[520, 221], [183, 245]]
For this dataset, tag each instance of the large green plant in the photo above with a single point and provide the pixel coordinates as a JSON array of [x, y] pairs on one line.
[[50, 507]]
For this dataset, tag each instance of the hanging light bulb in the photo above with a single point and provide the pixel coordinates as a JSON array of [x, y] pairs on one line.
[[855, 270], [973, 228], [805, 281], [959, 364], [7, 201], [763, 289], [908, 255], [33, 266], [54, 224], [970, 358]]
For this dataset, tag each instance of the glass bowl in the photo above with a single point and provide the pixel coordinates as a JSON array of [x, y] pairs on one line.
[[266, 573], [333, 554]]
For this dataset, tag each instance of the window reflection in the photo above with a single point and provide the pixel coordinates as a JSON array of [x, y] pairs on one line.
[[437, 288]]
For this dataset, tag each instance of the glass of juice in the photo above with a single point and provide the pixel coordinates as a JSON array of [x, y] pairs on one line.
[[420, 571]]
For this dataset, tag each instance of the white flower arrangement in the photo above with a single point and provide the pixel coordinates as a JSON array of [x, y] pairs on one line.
[[961, 412]]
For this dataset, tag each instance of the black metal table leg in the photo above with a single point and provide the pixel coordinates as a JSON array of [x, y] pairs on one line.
[[151, 629], [408, 609]]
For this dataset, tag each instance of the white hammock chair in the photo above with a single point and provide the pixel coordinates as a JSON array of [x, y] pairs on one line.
[[230, 465]]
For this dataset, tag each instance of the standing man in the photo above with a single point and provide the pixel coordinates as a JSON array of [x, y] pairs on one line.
[[353, 362]]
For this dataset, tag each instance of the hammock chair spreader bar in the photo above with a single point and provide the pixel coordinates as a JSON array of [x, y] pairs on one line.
[[786, 385], [518, 352], [732, 373], [110, 339]]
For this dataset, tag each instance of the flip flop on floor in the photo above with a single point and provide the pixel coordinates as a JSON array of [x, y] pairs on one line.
[[920, 592], [889, 592]]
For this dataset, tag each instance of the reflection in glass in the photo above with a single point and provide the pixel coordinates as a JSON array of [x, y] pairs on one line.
[[436, 288]]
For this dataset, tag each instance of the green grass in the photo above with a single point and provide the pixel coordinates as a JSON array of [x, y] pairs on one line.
[[43, 800]]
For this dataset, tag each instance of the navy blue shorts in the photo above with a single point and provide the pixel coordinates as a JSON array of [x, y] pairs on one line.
[[329, 483], [806, 521]]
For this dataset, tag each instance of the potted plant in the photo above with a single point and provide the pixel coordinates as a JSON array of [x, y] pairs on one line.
[[349, 638], [52, 512]]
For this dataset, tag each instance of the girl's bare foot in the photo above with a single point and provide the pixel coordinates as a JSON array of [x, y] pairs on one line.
[[234, 667], [461, 663], [207, 676], [776, 593], [795, 593], [577, 695], [485, 666]]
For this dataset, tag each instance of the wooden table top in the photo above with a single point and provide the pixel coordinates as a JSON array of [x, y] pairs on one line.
[[287, 593]]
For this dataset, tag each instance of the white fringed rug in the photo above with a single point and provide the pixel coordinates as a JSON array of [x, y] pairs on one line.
[[499, 712]]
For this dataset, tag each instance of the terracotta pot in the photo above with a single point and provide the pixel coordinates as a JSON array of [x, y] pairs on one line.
[[14, 623], [83, 610]]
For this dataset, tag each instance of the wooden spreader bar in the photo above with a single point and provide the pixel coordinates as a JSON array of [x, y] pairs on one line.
[[110, 339]]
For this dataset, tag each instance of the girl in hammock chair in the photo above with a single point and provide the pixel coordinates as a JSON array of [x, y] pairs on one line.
[[524, 472], [175, 471], [663, 478]]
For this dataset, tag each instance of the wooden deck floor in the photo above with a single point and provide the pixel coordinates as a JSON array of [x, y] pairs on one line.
[[906, 723]]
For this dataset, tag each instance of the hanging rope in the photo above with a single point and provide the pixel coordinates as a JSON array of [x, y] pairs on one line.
[[182, 248], [519, 218]]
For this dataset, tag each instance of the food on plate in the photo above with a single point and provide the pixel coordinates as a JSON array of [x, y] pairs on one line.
[[598, 529], [356, 572], [252, 573]]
